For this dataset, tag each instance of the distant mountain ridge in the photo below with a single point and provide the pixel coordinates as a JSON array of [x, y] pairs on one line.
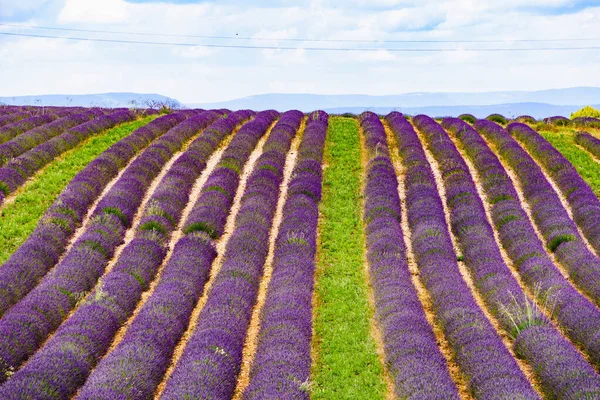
[[541, 103], [113, 100]]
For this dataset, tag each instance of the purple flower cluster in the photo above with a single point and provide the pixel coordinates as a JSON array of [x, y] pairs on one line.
[[28, 323], [36, 136], [120, 290], [13, 117], [558, 230], [584, 203], [573, 311], [145, 351], [19, 169], [282, 359], [13, 130], [589, 142], [490, 369], [586, 122], [212, 358], [414, 360], [211, 209]]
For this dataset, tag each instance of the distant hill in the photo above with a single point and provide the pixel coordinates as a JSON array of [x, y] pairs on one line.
[[541, 103], [87, 100]]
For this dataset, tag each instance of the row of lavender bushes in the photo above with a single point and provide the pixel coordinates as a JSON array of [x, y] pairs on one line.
[[115, 298], [146, 349], [212, 358], [47, 243], [19, 169], [35, 136], [572, 310], [28, 323], [588, 142], [411, 352], [504, 297], [582, 200], [282, 360], [489, 369], [553, 221]]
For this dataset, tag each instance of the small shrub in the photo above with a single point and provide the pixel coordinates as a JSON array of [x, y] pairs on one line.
[[587, 111], [468, 118], [497, 118]]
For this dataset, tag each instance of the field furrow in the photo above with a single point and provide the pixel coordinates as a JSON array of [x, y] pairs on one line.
[[229, 205], [582, 202], [517, 313], [137, 355], [255, 321], [424, 297], [48, 242], [577, 316], [416, 364], [46, 306], [281, 363], [560, 233], [211, 361], [482, 355]]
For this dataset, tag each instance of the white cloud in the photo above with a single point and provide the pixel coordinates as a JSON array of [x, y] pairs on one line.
[[196, 74], [94, 11]]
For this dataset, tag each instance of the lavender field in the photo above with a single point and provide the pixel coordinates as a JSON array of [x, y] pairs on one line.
[[219, 254]]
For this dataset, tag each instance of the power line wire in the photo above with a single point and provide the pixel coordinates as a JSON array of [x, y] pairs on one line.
[[355, 49], [300, 39]]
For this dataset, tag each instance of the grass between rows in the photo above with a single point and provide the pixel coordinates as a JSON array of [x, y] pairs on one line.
[[563, 141], [18, 219], [346, 364]]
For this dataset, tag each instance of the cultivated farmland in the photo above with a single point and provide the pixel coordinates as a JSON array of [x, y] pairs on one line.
[[218, 254]]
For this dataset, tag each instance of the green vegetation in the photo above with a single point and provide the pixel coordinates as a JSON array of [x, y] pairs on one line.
[[583, 162], [346, 365], [587, 111], [18, 219]]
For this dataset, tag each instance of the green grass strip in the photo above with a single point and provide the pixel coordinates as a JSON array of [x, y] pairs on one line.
[[583, 162], [18, 219], [346, 365]]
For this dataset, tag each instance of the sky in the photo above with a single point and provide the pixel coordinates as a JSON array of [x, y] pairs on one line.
[[35, 66]]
